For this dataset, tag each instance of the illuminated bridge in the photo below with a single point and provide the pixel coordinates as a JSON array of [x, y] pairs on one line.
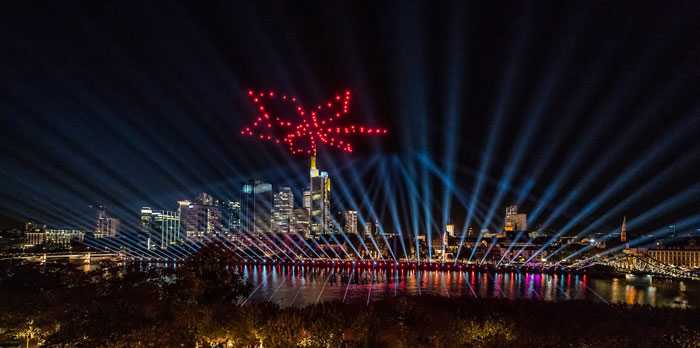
[[85, 257], [637, 264]]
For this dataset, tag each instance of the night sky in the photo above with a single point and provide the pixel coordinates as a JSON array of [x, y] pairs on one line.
[[133, 104]]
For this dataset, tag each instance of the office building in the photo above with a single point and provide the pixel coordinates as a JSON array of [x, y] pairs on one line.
[[231, 211], [301, 222], [351, 222], [201, 218], [370, 229], [688, 257], [320, 201], [283, 210], [105, 225], [450, 229], [307, 200], [256, 207], [39, 234], [160, 228], [514, 221]]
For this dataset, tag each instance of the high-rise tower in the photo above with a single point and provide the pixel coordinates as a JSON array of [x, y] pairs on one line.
[[320, 192], [256, 207], [283, 210], [200, 218]]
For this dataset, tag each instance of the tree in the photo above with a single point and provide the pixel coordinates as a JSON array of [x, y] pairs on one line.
[[29, 332]]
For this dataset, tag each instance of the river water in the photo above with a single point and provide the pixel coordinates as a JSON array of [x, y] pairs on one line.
[[299, 286]]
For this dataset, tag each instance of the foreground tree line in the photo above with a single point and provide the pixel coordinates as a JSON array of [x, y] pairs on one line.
[[197, 304]]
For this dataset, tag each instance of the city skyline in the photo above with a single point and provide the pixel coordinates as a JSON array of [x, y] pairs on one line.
[[350, 174]]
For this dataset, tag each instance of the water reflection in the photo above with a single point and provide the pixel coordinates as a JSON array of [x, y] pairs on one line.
[[299, 286]]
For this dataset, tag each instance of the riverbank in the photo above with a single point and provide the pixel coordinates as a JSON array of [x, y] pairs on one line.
[[208, 302]]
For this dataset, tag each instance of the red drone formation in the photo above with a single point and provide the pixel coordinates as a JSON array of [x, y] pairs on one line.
[[304, 132]]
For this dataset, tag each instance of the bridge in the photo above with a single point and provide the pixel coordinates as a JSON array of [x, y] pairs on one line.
[[624, 263], [85, 257], [628, 262]]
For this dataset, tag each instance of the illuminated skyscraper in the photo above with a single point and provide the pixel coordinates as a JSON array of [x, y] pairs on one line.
[[450, 229], [256, 207], [320, 205], [369, 229], [160, 228], [351, 222], [283, 210], [307, 200], [232, 216], [513, 220], [623, 230], [301, 222], [201, 218], [105, 225]]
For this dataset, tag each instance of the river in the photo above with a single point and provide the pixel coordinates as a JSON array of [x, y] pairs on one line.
[[300, 286]]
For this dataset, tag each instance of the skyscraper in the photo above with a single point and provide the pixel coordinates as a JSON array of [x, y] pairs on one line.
[[105, 225], [201, 218], [320, 191], [450, 229], [513, 220], [351, 222], [307, 200], [283, 210], [369, 229], [160, 228], [301, 222], [232, 216], [256, 207]]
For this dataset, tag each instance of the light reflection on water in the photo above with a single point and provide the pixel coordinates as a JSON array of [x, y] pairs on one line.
[[300, 286]]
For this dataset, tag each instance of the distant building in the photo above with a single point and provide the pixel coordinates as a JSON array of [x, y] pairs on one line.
[[256, 207], [684, 257], [514, 221], [160, 228], [450, 229], [351, 222], [370, 229], [200, 218], [470, 232], [307, 200], [105, 225], [283, 210], [40, 234], [536, 234], [34, 234], [320, 205], [301, 222], [231, 211]]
